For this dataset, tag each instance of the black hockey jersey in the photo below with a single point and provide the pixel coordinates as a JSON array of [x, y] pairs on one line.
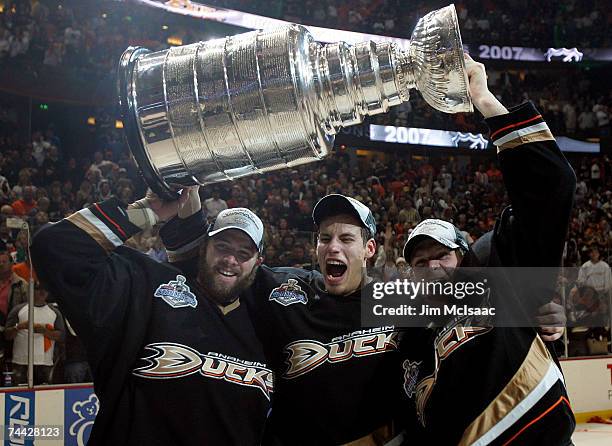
[[500, 385], [169, 366], [337, 381]]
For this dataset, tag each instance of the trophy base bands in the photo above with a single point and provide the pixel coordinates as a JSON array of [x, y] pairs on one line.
[[18, 433]]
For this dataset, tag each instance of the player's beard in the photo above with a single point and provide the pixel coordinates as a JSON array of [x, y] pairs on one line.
[[220, 293]]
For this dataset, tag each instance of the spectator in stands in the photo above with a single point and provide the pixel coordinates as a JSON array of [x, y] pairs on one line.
[[157, 250], [85, 194], [39, 147], [76, 367], [13, 289], [595, 273], [21, 266], [5, 42], [48, 329], [24, 206], [586, 121], [214, 204], [595, 175], [104, 191], [603, 119], [25, 179], [569, 111], [587, 307], [102, 165]]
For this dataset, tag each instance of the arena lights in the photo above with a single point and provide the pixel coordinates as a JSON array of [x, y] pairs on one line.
[[254, 21], [91, 121], [175, 41]]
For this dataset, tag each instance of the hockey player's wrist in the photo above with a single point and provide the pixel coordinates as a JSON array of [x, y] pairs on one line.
[[140, 214], [488, 105], [193, 204]]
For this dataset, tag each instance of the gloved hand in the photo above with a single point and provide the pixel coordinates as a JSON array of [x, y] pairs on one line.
[[151, 209], [552, 320]]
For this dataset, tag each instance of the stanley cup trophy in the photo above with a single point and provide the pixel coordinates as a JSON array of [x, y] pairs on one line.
[[265, 100]]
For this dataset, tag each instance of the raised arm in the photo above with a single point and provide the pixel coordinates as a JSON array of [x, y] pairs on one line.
[[539, 180], [183, 234], [82, 261]]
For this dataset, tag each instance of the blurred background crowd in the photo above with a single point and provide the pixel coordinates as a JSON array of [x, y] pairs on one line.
[[60, 152]]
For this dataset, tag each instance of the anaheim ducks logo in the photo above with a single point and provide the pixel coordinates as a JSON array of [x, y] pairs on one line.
[[446, 343], [170, 360], [305, 356]]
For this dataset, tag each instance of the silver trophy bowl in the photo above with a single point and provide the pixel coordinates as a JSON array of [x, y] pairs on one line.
[[265, 100]]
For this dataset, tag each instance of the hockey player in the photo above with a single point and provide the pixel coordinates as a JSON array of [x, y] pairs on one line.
[[175, 358], [479, 384]]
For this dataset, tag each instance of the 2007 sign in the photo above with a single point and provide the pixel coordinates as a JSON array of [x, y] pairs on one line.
[[405, 135], [500, 52]]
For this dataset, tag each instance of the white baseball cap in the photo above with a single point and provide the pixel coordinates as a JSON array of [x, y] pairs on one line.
[[242, 219], [441, 231], [336, 204]]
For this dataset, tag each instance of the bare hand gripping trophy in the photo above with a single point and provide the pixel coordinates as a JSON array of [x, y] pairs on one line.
[[265, 100]]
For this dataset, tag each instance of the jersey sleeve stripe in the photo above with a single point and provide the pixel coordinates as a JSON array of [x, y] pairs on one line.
[[103, 228], [517, 124], [111, 221], [83, 223], [521, 139], [536, 376]]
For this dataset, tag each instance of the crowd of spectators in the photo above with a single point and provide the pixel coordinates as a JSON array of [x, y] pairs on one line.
[[573, 104], [84, 36], [494, 22], [40, 183], [86, 41], [95, 33]]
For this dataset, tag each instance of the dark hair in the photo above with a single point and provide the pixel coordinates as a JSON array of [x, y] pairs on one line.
[[365, 235]]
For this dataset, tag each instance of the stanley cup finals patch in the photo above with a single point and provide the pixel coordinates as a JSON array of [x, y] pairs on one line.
[[288, 293], [176, 293]]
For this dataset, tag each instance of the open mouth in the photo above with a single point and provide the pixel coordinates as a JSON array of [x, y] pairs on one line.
[[335, 269]]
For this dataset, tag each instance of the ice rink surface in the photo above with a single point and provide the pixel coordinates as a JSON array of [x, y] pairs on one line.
[[593, 434]]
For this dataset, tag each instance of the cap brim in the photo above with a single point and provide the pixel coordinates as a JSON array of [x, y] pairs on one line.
[[225, 228], [414, 241], [333, 205]]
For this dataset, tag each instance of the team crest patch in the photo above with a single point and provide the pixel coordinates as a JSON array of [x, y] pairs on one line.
[[176, 293], [288, 293], [411, 374]]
